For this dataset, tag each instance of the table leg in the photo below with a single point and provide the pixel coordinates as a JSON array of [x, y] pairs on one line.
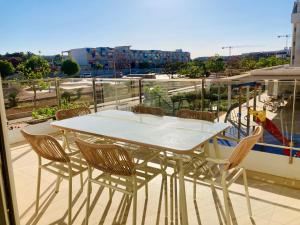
[[216, 147], [206, 149], [182, 197]]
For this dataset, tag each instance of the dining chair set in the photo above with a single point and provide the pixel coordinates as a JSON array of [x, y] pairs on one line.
[[127, 170]]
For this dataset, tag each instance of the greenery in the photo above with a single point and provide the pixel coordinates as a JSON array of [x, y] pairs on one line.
[[13, 99], [215, 64], [6, 68], [42, 113], [57, 60], [98, 66], [70, 67], [194, 69], [49, 112], [270, 61], [16, 58], [66, 96], [173, 68], [248, 63], [33, 68]]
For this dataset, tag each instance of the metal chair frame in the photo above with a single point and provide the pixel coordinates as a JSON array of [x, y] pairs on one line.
[[224, 172], [119, 172], [65, 166], [67, 114]]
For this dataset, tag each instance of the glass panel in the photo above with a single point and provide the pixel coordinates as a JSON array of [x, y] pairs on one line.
[[75, 92]]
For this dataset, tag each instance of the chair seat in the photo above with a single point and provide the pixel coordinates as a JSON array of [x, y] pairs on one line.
[[78, 165], [142, 175]]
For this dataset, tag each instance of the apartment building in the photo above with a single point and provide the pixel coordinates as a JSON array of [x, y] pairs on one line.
[[125, 57], [295, 57]]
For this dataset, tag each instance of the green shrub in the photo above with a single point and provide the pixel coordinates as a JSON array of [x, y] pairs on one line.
[[43, 113], [13, 99], [66, 96], [49, 112]]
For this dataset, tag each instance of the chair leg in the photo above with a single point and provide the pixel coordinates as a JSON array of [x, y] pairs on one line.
[[134, 202], [38, 190], [110, 189], [226, 201], [195, 188], [176, 199], [89, 191], [165, 180], [146, 186], [81, 174], [57, 183], [70, 197], [172, 198], [247, 192]]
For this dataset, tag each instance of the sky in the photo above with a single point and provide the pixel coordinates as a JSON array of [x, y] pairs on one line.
[[201, 27]]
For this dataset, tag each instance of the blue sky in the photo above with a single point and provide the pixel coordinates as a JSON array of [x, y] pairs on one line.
[[201, 27]]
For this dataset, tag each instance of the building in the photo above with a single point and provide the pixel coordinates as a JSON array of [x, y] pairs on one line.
[[295, 59], [125, 57], [284, 54]]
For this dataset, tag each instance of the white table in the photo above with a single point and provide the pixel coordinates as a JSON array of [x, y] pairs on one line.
[[178, 135]]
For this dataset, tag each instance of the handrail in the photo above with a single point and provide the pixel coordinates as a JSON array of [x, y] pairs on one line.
[[179, 86], [215, 80]]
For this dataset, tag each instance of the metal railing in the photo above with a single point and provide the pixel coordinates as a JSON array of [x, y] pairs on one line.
[[276, 99]]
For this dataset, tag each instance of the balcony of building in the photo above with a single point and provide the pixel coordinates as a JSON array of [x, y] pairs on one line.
[[272, 165]]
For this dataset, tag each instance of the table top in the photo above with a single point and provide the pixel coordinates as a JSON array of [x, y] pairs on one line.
[[166, 132]]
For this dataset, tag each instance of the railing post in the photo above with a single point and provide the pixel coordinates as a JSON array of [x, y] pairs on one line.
[[202, 94], [248, 115], [57, 90], [140, 91], [292, 125], [94, 94], [101, 92], [218, 108], [254, 102], [240, 113], [228, 96], [254, 97]]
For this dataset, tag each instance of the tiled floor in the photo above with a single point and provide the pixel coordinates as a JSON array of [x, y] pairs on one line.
[[271, 204]]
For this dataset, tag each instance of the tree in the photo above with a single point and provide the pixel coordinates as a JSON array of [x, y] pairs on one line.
[[233, 63], [33, 68], [193, 69], [173, 68], [270, 61], [6, 68], [215, 64], [98, 66], [69, 67], [248, 63], [57, 60]]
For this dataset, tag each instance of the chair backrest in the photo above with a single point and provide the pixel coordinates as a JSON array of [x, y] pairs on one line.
[[46, 146], [243, 148], [148, 110], [198, 115], [108, 158], [69, 113]]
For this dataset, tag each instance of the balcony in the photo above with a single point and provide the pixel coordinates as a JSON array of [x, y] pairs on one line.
[[271, 203], [273, 186]]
